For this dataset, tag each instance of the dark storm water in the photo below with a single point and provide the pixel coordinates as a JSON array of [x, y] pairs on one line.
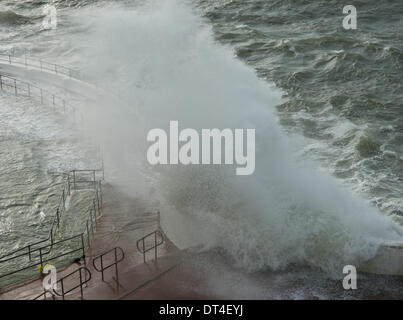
[[343, 87]]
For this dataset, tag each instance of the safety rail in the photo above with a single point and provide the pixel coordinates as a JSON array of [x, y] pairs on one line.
[[45, 250], [45, 97], [156, 244], [74, 181], [56, 69], [61, 208], [80, 285], [61, 281], [115, 263], [40, 252], [40, 64]]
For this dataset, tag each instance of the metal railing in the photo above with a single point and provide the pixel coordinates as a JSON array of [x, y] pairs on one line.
[[30, 248], [114, 263], [82, 179], [87, 278], [39, 64], [80, 285], [40, 252], [45, 97], [61, 208], [144, 250], [57, 69]]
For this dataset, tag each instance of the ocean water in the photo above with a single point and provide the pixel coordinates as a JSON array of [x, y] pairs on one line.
[[342, 87], [325, 103]]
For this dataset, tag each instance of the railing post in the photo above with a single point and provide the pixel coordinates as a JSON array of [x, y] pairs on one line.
[[102, 267], [57, 215], [40, 256], [9, 59], [68, 184], [81, 284], [116, 267], [74, 179], [95, 208], [99, 211], [1, 83], [82, 244], [92, 223], [91, 216], [155, 245], [88, 235], [15, 86], [56, 68], [144, 250], [53, 99], [29, 252], [100, 192]]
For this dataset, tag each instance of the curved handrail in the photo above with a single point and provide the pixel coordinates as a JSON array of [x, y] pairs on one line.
[[156, 244], [115, 263], [80, 285], [105, 253]]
